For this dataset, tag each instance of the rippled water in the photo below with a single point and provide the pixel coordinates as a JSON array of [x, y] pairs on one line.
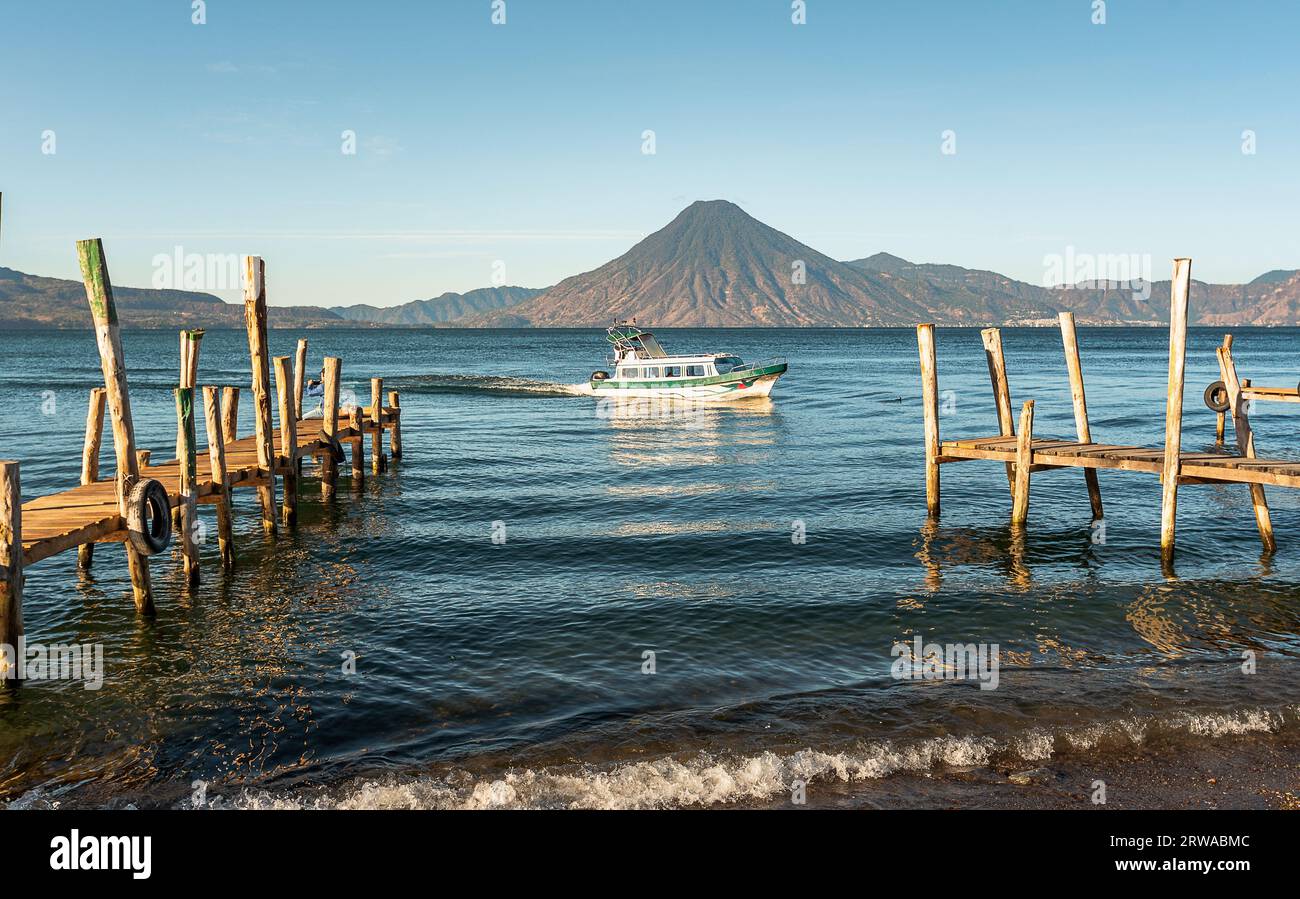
[[511, 673]]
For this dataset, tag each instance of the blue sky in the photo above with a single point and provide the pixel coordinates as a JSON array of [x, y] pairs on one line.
[[522, 143]]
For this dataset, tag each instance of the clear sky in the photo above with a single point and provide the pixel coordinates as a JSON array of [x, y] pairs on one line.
[[522, 143]]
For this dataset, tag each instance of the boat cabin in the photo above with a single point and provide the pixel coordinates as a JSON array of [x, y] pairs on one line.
[[639, 357]]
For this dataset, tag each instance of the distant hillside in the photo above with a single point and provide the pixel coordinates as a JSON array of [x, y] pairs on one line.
[[31, 301], [956, 295], [439, 310], [715, 265]]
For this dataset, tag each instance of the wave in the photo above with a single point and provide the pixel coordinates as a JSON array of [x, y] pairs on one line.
[[709, 779]]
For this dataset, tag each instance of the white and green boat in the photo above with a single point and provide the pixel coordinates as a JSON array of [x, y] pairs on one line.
[[641, 368]]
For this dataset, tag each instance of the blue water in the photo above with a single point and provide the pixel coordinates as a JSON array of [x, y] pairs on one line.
[[515, 671]]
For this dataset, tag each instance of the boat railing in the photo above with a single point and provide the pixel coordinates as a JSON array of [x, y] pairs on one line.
[[762, 363]]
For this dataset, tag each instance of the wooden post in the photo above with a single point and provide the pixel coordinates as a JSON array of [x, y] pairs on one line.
[[997, 364], [930, 412], [187, 479], [90, 461], [229, 414], [189, 376], [255, 324], [299, 377], [1246, 444], [1221, 417], [288, 439], [358, 446], [1024, 460], [142, 458], [1179, 291], [1075, 368], [99, 294], [329, 425], [378, 461], [220, 476], [395, 429], [11, 568]]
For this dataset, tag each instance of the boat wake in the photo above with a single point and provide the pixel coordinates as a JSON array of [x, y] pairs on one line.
[[494, 385]]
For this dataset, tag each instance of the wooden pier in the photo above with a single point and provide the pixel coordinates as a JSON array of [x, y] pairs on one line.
[[144, 503], [1025, 453]]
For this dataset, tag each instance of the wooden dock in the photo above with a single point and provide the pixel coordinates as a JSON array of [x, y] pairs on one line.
[[143, 504], [1024, 453]]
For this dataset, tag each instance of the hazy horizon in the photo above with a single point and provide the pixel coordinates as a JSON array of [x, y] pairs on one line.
[[488, 151]]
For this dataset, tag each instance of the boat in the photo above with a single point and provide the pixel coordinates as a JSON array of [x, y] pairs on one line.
[[642, 368]]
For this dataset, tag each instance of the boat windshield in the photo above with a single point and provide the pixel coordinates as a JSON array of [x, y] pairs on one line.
[[725, 364]]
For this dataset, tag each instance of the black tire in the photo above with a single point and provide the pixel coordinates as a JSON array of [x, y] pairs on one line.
[[149, 517], [1216, 397], [336, 449], [600, 376]]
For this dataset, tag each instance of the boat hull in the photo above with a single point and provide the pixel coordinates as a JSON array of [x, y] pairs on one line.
[[718, 388]]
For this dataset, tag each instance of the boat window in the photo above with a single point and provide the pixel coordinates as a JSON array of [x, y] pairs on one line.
[[695, 371], [650, 372], [628, 374], [672, 371], [727, 363]]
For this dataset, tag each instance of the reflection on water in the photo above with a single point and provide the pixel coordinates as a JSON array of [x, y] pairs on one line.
[[771, 552]]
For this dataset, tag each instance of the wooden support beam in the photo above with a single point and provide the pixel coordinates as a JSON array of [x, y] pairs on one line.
[[395, 429], [90, 460], [220, 476], [187, 484], [299, 376], [329, 425], [229, 414], [11, 570], [358, 446], [288, 438], [1024, 460], [99, 294], [1179, 292], [997, 363], [1070, 340], [378, 461], [1221, 417], [930, 413], [1245, 443], [255, 324], [189, 375]]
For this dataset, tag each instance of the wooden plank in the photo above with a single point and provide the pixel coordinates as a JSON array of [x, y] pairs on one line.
[[1079, 399], [103, 311], [375, 413], [394, 416], [299, 376], [930, 413], [288, 438], [997, 365], [220, 484], [329, 425], [186, 479]]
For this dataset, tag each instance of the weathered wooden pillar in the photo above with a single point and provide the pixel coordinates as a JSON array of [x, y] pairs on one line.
[[1024, 461], [358, 446], [189, 376], [142, 458], [11, 569], [229, 414], [329, 426], [930, 412], [288, 439], [255, 324], [99, 294], [997, 364], [1246, 444], [395, 428], [299, 376], [1221, 417], [378, 461], [187, 481], [90, 460], [1172, 469], [220, 476], [1070, 339]]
